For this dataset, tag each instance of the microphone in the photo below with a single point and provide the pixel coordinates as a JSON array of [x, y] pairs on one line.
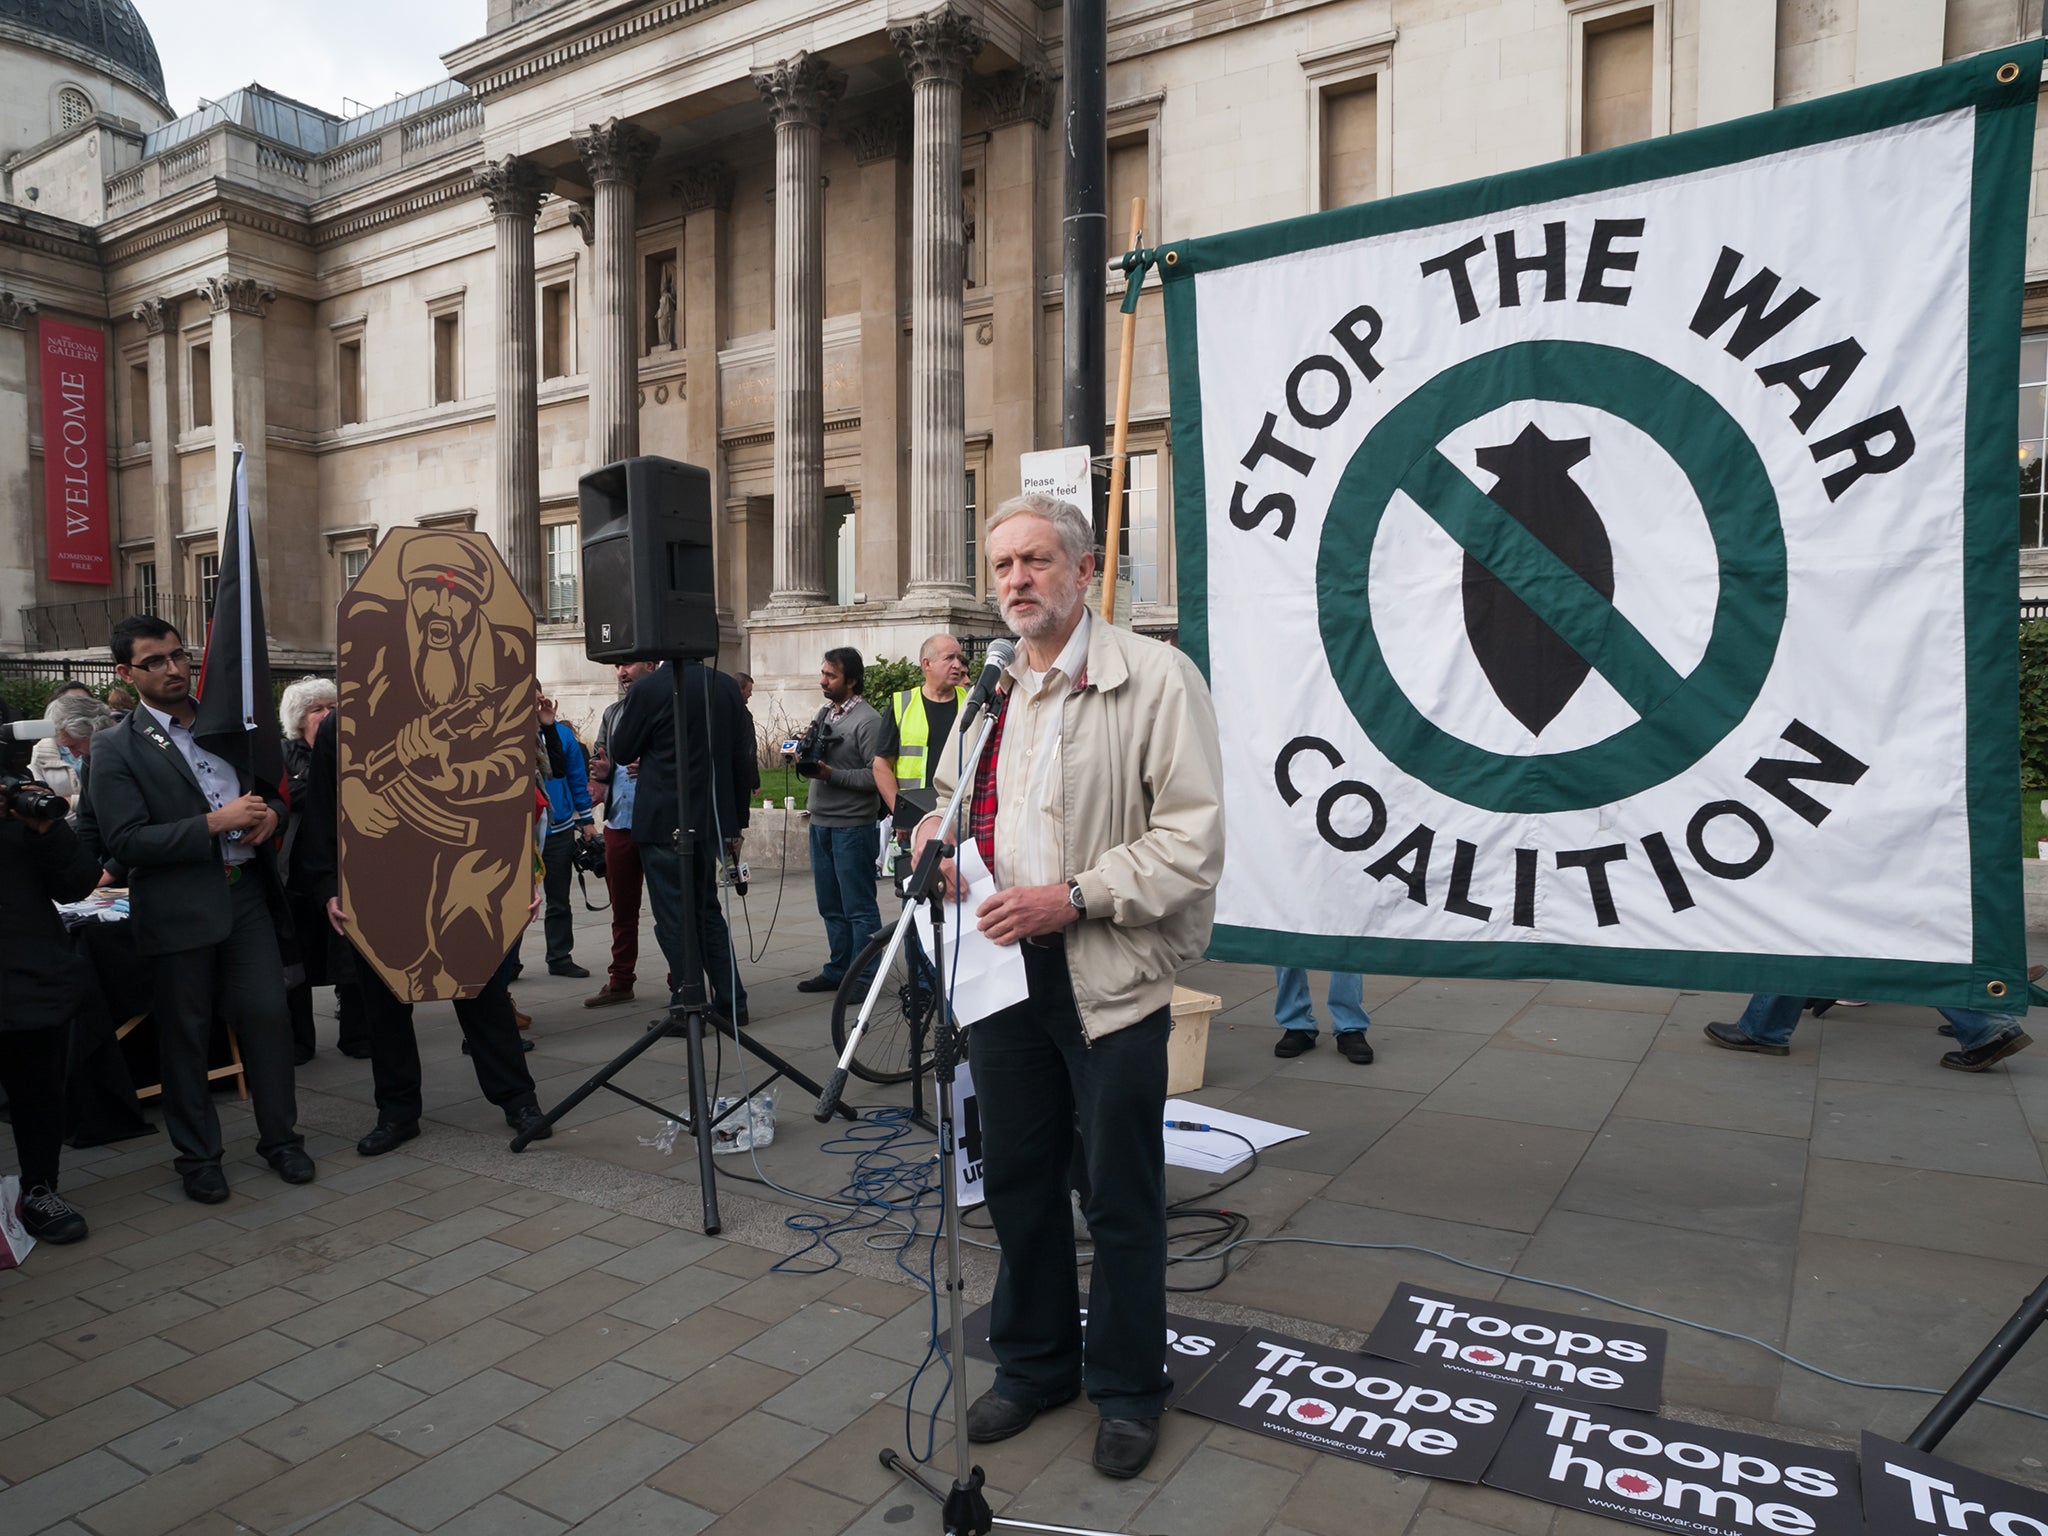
[[1000, 655], [27, 730]]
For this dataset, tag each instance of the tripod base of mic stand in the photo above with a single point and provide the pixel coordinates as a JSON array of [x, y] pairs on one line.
[[965, 1510]]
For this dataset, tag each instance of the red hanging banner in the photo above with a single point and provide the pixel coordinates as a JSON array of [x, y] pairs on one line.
[[78, 521]]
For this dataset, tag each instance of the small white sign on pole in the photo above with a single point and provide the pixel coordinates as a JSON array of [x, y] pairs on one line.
[[1061, 472]]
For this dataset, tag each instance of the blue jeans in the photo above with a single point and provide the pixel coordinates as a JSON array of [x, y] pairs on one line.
[[843, 874], [1770, 1020], [1293, 1009]]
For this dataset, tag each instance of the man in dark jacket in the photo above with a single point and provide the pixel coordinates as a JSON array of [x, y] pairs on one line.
[[567, 783], [486, 1019], [205, 901], [721, 747], [40, 862]]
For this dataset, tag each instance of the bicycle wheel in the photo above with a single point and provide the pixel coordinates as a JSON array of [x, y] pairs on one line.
[[904, 1005]]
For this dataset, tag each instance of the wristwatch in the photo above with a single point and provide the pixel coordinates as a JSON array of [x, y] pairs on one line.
[[1074, 897]]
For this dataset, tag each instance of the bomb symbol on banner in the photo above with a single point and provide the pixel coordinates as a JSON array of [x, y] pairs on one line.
[[1534, 672]]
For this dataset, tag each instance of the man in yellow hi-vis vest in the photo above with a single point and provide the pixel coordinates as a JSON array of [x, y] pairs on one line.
[[916, 724]]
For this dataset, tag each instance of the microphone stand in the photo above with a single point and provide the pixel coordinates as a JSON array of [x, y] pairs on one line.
[[964, 1508]]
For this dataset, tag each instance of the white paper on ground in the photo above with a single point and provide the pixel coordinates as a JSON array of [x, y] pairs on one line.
[[1214, 1153], [982, 976]]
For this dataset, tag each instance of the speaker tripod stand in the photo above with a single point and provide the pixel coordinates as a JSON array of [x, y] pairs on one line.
[[692, 1015]]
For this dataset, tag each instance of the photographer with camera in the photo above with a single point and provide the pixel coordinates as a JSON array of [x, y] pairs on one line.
[[837, 754], [41, 862]]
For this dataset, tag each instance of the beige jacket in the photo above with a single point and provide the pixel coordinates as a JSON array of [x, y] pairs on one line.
[[1142, 773]]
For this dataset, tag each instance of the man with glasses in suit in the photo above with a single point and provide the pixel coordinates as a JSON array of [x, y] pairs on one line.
[[204, 900]]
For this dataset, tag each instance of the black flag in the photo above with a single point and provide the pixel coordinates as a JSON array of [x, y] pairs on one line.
[[236, 718]]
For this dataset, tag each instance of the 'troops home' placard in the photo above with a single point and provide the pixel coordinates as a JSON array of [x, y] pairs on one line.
[[1676, 1477], [1543, 1352], [1909, 1493], [1405, 1418]]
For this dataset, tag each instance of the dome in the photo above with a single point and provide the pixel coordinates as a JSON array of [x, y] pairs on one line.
[[109, 31]]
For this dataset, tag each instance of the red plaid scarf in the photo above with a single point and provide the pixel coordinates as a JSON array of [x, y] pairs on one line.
[[981, 822]]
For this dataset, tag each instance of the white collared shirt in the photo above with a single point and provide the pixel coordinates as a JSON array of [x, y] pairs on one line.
[[217, 778], [1031, 818]]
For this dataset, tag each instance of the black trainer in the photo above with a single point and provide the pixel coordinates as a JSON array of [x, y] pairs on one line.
[[50, 1218], [1993, 1050], [1355, 1046], [1293, 1042]]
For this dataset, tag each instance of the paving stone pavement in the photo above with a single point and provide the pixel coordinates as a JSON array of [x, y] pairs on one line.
[[454, 1339]]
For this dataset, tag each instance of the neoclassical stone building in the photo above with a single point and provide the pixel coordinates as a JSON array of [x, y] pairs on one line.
[[812, 247]]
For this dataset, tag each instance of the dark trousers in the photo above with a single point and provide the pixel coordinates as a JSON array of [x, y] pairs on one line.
[[557, 865], [1035, 1077], [32, 1076], [348, 1013], [843, 879], [664, 873], [242, 978], [622, 879], [487, 1025]]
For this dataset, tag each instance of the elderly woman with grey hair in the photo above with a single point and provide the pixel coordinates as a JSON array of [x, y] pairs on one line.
[[305, 704], [59, 760]]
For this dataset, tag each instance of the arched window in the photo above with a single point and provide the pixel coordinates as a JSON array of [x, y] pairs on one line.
[[73, 108]]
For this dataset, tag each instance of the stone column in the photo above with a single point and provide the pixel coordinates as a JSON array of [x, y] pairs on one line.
[[241, 414], [800, 92], [880, 144], [514, 189], [936, 50], [17, 490], [159, 317], [1018, 104], [615, 153], [704, 194]]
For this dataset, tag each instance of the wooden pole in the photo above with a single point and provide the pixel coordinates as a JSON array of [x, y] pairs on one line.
[[1113, 519]]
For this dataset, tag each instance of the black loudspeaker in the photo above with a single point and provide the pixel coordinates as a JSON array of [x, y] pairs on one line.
[[647, 567]]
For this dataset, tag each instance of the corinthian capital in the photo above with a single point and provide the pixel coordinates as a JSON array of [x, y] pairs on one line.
[[882, 135], [939, 45], [615, 150], [243, 295], [703, 187], [513, 187], [155, 314], [800, 89], [16, 310], [1016, 96]]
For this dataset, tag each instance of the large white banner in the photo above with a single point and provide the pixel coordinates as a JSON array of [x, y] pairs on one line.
[[1609, 570]]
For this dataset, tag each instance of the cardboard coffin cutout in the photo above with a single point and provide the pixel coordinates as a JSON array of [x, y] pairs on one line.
[[437, 762]]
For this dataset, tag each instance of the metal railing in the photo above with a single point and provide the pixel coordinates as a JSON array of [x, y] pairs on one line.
[[86, 625]]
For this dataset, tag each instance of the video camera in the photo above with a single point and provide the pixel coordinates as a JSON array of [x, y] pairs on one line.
[[804, 752], [31, 800]]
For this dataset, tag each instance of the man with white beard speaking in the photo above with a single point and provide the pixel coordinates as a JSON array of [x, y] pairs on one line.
[[1098, 807]]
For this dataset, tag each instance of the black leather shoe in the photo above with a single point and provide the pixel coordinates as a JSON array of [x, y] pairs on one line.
[[528, 1121], [208, 1185], [387, 1136], [818, 984], [1123, 1446], [566, 968], [355, 1050], [292, 1165], [301, 1055], [1731, 1038], [1993, 1050], [1355, 1047], [992, 1417], [1293, 1042]]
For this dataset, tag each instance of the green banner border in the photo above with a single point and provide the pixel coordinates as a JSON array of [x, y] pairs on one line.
[[2000, 175]]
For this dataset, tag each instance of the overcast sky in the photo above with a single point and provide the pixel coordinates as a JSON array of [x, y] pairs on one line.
[[316, 50]]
